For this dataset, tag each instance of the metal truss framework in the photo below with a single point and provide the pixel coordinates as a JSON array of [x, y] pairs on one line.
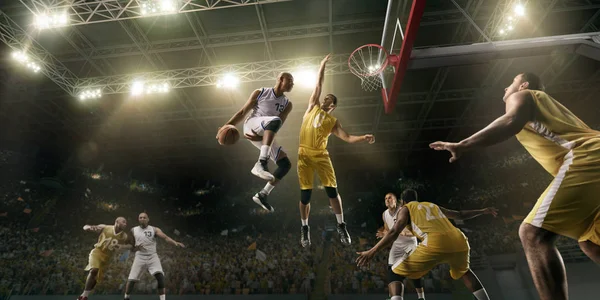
[[288, 33], [265, 71], [20, 40], [82, 12]]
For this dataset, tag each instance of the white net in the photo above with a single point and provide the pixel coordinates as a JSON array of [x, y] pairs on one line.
[[367, 63]]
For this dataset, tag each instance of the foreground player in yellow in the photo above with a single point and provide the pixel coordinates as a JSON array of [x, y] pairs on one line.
[[569, 150], [111, 239], [317, 125], [441, 243]]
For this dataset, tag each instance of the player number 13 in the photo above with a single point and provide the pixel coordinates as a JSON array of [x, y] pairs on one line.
[[428, 215]]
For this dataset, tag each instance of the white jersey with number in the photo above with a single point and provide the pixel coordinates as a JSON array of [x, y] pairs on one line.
[[403, 245], [145, 240], [269, 105]]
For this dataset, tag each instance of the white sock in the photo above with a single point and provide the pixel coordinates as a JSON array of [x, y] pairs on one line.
[[304, 222], [268, 188], [481, 294], [264, 152], [421, 295], [339, 218], [85, 293], [126, 296], [162, 297], [396, 298]]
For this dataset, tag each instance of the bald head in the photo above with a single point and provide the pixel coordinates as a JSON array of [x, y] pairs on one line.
[[120, 224], [285, 82]]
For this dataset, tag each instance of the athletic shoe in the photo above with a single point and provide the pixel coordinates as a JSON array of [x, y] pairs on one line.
[[343, 232], [260, 198], [305, 236], [260, 170]]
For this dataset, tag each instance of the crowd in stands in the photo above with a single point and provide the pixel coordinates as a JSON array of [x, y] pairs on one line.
[[44, 249]]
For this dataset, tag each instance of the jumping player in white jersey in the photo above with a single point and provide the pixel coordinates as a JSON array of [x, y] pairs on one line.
[[403, 246], [268, 108], [146, 258]]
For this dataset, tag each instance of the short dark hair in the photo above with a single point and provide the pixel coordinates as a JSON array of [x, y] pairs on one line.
[[333, 98], [409, 195], [535, 83]]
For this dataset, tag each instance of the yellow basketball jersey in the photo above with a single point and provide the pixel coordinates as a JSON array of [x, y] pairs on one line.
[[433, 229], [555, 132], [108, 239], [316, 128]]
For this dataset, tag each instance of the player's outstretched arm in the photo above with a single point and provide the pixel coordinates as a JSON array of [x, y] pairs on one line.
[[94, 228], [519, 111], [344, 136], [401, 222], [173, 242], [468, 214], [316, 95], [241, 114]]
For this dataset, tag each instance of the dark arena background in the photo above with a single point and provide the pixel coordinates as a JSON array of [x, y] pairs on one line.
[[110, 108]]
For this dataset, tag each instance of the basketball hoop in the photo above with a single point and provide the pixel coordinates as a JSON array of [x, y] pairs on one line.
[[367, 62]]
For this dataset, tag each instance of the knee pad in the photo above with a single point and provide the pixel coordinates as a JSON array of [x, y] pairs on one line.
[[160, 280], [331, 192], [393, 277], [283, 167], [418, 283], [305, 196], [274, 125]]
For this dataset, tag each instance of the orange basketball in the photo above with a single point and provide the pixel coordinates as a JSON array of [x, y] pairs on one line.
[[228, 135]]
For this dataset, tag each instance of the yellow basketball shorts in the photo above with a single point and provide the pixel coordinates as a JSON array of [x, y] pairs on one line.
[[418, 263], [98, 260], [311, 162], [570, 206]]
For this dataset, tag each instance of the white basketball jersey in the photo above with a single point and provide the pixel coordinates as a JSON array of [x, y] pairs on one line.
[[145, 240], [390, 220], [268, 105]]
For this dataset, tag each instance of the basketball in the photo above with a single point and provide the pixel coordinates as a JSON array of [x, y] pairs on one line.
[[228, 135]]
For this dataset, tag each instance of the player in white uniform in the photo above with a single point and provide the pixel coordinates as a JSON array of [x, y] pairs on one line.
[[268, 108], [403, 246], [145, 255]]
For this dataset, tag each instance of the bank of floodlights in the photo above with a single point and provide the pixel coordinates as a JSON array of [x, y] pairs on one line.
[[512, 19], [51, 20], [139, 88], [152, 7], [90, 94], [22, 58], [305, 77], [228, 81]]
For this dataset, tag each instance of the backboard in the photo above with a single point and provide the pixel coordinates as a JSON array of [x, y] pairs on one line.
[[402, 22]]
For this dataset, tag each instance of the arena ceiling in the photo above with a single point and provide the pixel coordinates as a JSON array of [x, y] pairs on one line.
[[193, 49]]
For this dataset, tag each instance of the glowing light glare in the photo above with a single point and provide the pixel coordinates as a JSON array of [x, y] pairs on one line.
[[373, 68], [510, 28], [167, 6], [306, 78], [44, 21], [502, 31], [137, 88], [90, 94], [157, 88], [229, 81], [22, 58], [158, 6], [520, 10]]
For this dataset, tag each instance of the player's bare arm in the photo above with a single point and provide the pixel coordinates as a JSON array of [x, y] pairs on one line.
[[344, 136], [468, 214], [316, 95], [401, 222], [162, 235], [241, 114], [519, 111], [286, 112], [382, 233], [94, 228]]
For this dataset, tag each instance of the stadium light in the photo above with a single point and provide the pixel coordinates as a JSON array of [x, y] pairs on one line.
[[158, 7], [45, 21], [520, 10], [90, 94], [139, 88], [229, 81], [305, 78], [23, 59]]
